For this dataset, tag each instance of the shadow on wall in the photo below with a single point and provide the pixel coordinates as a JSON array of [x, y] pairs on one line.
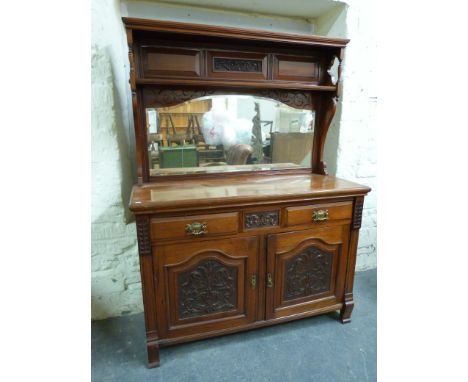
[[111, 164]]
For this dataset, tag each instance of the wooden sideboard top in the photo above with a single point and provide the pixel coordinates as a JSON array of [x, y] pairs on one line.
[[238, 191]]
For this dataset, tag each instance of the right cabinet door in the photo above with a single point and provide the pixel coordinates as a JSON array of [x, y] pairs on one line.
[[306, 271]]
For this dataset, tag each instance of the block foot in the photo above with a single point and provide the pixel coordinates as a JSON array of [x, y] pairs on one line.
[[346, 310], [153, 355]]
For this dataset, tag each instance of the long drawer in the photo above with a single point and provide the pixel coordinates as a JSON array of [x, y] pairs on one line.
[[194, 226]]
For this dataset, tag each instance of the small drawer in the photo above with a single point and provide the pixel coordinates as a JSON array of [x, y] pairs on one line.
[[318, 213], [194, 226]]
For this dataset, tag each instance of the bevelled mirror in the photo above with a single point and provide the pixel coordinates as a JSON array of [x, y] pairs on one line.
[[228, 133]]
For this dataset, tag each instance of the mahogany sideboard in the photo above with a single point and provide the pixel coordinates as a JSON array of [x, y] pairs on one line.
[[224, 251]]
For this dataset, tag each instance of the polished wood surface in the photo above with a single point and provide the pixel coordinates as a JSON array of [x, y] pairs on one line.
[[241, 86], [193, 194], [296, 68], [238, 250], [261, 258], [240, 168], [170, 62]]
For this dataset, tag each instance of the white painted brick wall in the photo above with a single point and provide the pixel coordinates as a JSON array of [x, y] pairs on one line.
[[116, 285], [357, 147]]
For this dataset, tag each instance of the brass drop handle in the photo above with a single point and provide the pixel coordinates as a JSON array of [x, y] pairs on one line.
[[196, 229], [320, 215], [269, 280], [253, 280]]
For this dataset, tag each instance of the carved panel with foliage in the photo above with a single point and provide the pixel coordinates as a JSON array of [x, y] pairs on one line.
[[209, 287], [164, 97], [307, 273]]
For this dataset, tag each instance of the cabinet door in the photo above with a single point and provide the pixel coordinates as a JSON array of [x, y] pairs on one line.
[[306, 271], [206, 286]]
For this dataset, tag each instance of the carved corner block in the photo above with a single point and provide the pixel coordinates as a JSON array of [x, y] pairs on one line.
[[357, 212], [143, 235]]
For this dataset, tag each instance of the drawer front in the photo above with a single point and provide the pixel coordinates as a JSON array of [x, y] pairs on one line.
[[194, 226], [237, 65], [318, 213]]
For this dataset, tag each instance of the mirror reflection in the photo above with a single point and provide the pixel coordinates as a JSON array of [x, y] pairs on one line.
[[228, 133]]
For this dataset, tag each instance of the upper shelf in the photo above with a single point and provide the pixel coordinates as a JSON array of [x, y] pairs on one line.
[[174, 53], [236, 84], [237, 33]]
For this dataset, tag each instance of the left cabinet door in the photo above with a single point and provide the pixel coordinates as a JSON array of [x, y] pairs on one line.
[[205, 286]]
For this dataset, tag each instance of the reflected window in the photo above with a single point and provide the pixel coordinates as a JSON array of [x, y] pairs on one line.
[[228, 133]]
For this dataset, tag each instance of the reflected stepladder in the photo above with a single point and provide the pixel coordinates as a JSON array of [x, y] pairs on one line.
[[228, 133]]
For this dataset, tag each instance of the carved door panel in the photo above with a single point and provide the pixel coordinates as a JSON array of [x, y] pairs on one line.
[[206, 286], [306, 270]]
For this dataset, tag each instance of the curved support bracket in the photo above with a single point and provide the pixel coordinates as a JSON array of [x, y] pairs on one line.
[[327, 112]]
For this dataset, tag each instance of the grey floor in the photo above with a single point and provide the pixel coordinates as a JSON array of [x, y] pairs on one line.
[[314, 349]]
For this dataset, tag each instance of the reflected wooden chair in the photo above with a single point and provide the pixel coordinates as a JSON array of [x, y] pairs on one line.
[[194, 133], [238, 154]]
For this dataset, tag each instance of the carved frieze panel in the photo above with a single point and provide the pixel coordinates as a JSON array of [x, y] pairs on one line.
[[163, 97], [261, 219], [297, 99], [143, 235], [357, 215], [209, 287], [224, 64], [307, 273]]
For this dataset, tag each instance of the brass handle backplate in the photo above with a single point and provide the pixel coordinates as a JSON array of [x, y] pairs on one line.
[[253, 281], [320, 215], [196, 229], [269, 280]]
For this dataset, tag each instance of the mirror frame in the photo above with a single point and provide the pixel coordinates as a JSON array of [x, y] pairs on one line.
[[156, 97]]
